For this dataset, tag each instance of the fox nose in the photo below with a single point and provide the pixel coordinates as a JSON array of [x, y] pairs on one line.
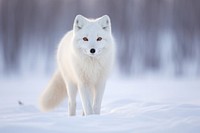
[[92, 51]]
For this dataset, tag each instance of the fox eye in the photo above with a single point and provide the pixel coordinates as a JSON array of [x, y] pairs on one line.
[[85, 39], [99, 38]]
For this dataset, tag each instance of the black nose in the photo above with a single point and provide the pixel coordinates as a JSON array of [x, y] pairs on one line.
[[92, 51]]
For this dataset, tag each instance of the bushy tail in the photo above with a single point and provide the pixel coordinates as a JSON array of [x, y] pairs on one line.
[[54, 93]]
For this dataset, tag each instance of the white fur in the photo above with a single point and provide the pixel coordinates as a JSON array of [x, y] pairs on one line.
[[81, 70]]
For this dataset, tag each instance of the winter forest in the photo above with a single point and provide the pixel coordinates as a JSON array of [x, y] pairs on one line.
[[152, 36]]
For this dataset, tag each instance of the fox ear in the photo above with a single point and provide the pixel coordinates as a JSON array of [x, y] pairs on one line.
[[105, 23], [79, 22]]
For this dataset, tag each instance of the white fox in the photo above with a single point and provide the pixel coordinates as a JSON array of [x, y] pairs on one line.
[[85, 56]]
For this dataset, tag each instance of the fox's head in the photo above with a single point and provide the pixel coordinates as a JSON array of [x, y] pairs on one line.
[[92, 37]]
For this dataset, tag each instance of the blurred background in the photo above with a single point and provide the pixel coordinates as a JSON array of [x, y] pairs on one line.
[[156, 37]]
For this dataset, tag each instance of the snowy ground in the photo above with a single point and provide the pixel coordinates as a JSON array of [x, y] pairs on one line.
[[129, 106]]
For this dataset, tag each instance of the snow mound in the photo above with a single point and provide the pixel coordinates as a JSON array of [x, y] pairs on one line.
[[128, 106]]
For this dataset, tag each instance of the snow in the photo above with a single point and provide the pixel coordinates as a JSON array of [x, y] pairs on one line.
[[142, 105]]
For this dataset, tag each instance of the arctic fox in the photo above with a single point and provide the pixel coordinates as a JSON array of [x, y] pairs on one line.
[[85, 56]]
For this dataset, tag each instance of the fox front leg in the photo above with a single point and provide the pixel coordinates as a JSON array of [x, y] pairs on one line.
[[98, 95], [72, 92], [86, 99]]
